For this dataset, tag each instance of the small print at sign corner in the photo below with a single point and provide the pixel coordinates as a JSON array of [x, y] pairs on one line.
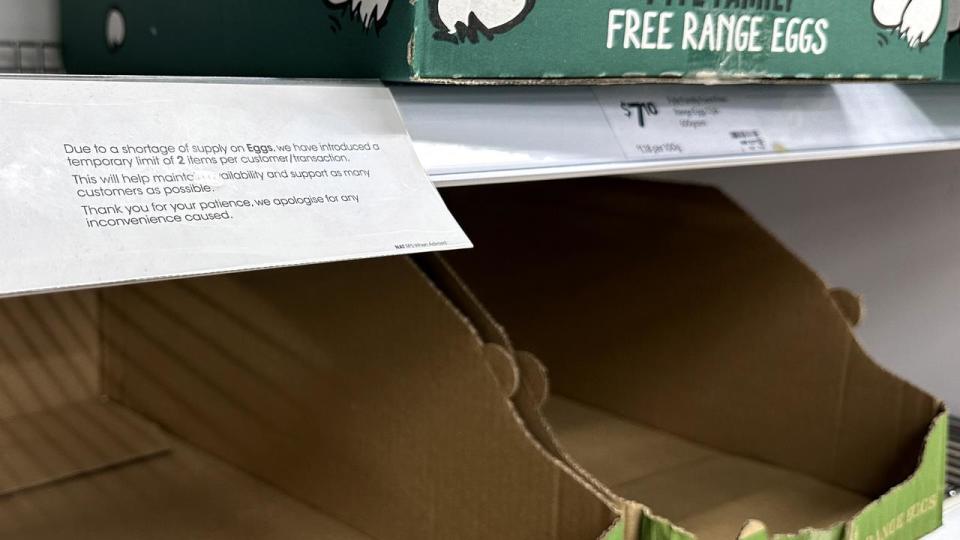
[[105, 182], [654, 122]]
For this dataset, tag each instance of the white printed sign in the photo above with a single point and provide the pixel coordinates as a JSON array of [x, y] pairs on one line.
[[112, 181], [663, 122]]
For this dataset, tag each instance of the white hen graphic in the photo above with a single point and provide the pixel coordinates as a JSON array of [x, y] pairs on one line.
[[916, 21], [370, 12], [466, 18]]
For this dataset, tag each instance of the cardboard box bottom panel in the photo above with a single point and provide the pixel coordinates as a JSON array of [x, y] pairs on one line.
[[179, 493], [700, 489]]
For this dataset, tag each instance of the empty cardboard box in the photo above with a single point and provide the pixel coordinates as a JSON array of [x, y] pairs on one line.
[[700, 374], [699, 371], [344, 402]]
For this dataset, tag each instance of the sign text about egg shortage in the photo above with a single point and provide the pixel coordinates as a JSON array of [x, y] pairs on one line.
[[134, 185]]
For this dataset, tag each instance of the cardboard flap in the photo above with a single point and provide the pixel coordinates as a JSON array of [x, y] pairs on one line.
[[534, 382], [354, 387], [440, 273], [881, 426], [504, 369], [529, 400], [849, 304], [72, 440], [670, 306], [531, 390]]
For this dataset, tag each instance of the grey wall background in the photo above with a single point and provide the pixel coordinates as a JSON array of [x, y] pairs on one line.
[[887, 228]]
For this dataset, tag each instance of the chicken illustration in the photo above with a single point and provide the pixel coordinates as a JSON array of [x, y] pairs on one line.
[[370, 13], [459, 20], [916, 21]]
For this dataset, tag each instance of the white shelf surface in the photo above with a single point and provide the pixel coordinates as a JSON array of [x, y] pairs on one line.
[[491, 134], [473, 135], [951, 522]]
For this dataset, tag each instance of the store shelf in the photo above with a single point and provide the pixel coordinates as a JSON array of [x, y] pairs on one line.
[[493, 134], [473, 135]]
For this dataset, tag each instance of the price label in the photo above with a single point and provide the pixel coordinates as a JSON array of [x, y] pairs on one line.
[[662, 122]]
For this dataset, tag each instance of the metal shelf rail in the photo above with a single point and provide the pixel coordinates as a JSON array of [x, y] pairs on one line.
[[474, 135]]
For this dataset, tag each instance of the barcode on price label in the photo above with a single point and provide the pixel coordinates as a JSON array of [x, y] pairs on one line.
[[750, 140]]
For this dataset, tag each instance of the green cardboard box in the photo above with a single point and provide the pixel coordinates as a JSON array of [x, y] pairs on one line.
[[509, 40]]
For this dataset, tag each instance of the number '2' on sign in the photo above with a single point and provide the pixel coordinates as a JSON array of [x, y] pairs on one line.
[[642, 110]]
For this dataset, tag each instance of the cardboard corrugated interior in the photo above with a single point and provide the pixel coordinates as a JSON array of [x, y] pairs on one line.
[[669, 311], [343, 401]]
